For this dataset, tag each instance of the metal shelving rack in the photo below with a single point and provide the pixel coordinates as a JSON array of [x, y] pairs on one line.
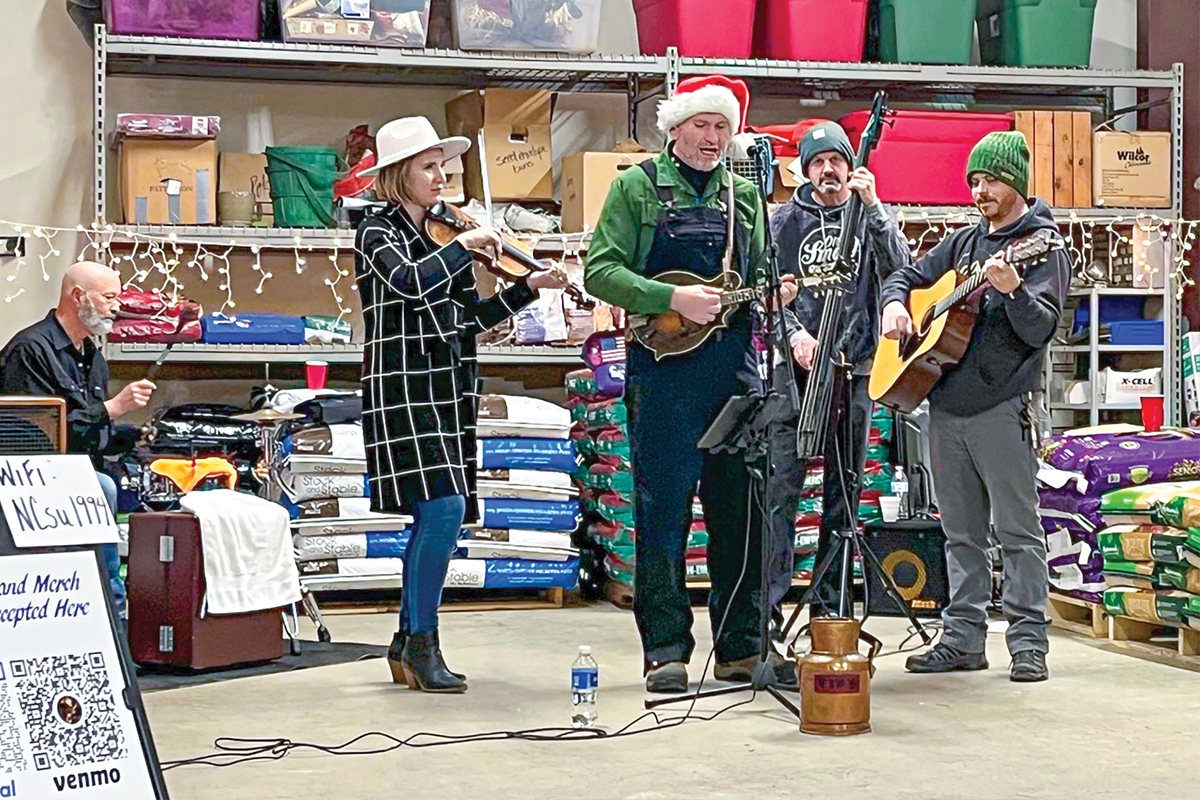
[[639, 78], [332, 353]]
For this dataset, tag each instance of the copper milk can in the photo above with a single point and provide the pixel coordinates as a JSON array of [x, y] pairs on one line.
[[835, 681]]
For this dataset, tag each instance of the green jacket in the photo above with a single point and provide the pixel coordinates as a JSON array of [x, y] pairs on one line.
[[616, 257]]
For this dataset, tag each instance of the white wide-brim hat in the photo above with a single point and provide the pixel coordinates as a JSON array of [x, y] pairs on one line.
[[405, 138]]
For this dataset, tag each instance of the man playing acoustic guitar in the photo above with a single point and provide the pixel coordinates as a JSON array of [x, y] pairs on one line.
[[981, 443], [676, 212]]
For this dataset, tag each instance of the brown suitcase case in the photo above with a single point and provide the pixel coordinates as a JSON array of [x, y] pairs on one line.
[[165, 589]]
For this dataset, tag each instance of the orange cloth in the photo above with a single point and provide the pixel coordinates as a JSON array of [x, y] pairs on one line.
[[188, 474]]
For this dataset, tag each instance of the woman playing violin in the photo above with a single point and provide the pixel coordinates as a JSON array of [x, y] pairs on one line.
[[422, 313]]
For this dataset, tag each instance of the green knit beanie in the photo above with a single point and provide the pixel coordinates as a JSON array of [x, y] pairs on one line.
[[1005, 156]]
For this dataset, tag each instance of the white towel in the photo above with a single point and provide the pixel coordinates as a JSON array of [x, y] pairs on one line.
[[248, 562]]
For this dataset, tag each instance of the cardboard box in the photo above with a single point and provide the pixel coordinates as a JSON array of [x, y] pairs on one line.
[[586, 178], [454, 191], [785, 180], [515, 124], [247, 172], [169, 181], [1132, 169]]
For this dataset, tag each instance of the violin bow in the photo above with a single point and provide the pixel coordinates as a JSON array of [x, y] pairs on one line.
[[485, 179]]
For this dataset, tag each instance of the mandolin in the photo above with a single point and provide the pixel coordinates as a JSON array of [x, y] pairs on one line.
[[672, 334], [906, 370]]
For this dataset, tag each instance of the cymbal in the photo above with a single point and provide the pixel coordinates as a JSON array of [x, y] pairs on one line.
[[267, 415]]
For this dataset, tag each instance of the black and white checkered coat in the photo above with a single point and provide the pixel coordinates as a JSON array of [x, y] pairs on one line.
[[420, 370]]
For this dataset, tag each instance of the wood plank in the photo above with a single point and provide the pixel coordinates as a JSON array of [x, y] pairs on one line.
[[1064, 159], [1024, 124], [1043, 156], [1189, 642], [1081, 126], [1077, 616]]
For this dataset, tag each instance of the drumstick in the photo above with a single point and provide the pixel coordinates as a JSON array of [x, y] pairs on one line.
[[186, 315]]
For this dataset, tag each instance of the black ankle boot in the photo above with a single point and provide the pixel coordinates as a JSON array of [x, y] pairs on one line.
[[395, 659], [424, 668], [437, 641], [396, 651]]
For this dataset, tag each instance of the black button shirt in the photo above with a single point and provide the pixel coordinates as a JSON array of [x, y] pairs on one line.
[[42, 360]]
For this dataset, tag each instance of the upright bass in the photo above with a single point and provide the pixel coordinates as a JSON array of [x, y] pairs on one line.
[[818, 391]]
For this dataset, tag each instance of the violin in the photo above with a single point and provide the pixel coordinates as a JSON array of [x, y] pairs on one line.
[[443, 222]]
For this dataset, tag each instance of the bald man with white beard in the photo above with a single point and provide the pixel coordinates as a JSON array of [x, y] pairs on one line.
[[58, 357]]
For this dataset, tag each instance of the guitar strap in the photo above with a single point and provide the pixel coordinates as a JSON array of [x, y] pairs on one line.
[[727, 261]]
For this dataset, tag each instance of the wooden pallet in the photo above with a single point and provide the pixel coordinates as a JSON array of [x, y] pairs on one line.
[[1077, 616], [1156, 641], [532, 599], [619, 594]]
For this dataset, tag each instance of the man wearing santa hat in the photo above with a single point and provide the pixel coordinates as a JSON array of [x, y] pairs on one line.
[[675, 212]]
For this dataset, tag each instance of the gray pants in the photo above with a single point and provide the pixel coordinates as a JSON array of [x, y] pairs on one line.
[[984, 474]]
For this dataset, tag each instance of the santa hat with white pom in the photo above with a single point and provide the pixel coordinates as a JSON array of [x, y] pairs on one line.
[[706, 94]]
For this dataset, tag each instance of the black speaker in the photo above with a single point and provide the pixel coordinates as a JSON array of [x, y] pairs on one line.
[[913, 552]]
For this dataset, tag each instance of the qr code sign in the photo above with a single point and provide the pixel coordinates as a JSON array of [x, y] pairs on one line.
[[12, 757], [69, 710]]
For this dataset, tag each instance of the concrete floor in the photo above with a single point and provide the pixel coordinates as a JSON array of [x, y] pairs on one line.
[[1107, 725]]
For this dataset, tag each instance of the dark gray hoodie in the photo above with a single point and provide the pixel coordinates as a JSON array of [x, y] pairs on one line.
[[1004, 358], [806, 235]]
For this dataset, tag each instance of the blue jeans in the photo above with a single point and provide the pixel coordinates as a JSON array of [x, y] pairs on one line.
[[436, 524], [112, 556]]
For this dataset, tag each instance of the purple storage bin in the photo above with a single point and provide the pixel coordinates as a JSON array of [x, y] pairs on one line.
[[200, 19]]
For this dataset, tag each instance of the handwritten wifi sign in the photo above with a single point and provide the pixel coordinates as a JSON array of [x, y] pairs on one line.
[[53, 501]]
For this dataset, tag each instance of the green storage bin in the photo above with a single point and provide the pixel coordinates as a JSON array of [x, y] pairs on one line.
[[1036, 33], [926, 31], [302, 181]]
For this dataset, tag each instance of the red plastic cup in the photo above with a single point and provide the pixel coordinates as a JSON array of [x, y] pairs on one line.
[[316, 373], [1152, 412]]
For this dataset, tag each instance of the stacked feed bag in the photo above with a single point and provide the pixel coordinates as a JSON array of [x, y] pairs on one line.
[[528, 505], [1077, 470], [323, 472], [1152, 554]]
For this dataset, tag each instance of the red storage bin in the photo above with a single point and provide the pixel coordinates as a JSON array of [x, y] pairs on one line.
[[922, 156], [201, 19], [811, 30], [700, 28]]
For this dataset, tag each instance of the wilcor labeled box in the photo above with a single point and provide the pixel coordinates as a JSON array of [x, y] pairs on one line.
[[1132, 169], [169, 181], [586, 178], [515, 127]]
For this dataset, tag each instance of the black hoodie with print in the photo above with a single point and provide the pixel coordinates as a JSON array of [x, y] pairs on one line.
[[806, 234], [1004, 358]]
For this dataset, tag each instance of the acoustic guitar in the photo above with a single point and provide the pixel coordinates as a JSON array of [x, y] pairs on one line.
[[906, 370], [672, 334]]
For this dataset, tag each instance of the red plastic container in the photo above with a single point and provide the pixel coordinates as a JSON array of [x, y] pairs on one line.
[[811, 30], [922, 157], [200, 19], [700, 28]]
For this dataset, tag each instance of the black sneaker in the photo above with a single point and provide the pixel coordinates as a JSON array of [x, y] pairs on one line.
[[669, 678], [1028, 666], [945, 658]]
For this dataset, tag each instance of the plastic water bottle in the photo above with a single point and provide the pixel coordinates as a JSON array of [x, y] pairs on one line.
[[585, 679], [900, 489]]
